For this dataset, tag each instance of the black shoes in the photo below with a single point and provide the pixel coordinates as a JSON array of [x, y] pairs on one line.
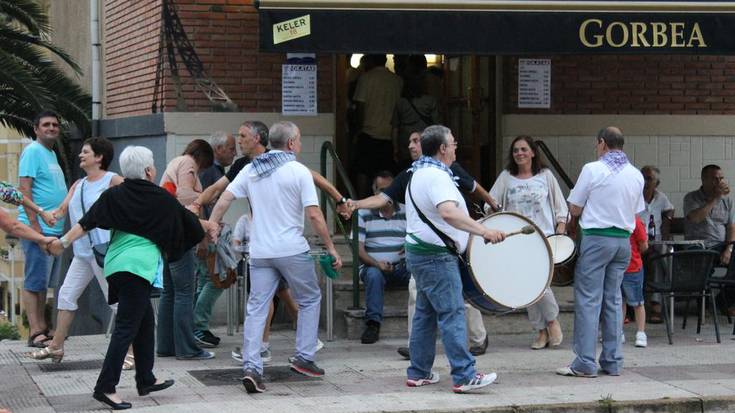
[[404, 352], [101, 397], [371, 333], [155, 387], [481, 349], [206, 339]]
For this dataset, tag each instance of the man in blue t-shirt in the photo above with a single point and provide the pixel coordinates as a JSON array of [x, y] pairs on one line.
[[41, 181]]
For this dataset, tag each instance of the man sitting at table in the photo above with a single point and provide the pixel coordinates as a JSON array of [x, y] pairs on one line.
[[710, 217]]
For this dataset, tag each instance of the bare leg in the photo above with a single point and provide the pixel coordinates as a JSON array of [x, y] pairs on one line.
[[34, 309], [291, 307], [64, 319], [640, 317]]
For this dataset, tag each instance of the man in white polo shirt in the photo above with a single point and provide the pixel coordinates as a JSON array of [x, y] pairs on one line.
[[608, 195], [280, 191]]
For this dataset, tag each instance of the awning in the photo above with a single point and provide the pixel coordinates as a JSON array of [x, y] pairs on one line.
[[498, 26]]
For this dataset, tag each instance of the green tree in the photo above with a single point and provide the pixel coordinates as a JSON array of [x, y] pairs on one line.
[[30, 80]]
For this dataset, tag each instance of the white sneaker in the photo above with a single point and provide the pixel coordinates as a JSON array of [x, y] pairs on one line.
[[432, 379], [319, 345], [237, 354], [640, 339], [266, 356], [479, 381]]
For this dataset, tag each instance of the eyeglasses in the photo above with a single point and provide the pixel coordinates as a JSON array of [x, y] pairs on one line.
[[452, 144]]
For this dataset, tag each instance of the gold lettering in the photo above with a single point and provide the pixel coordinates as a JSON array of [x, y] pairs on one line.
[[609, 34], [660, 39], [677, 34], [583, 33], [638, 30], [696, 35]]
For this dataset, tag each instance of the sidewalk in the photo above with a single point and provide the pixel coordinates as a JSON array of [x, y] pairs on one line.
[[695, 374]]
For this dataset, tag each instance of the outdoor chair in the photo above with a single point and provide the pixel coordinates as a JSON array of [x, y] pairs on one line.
[[720, 283], [688, 273]]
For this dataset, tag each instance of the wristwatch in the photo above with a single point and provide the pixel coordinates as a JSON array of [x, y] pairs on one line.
[[342, 201], [64, 242]]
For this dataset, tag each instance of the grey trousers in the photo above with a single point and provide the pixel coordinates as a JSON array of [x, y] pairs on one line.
[[598, 303], [544, 311], [476, 332]]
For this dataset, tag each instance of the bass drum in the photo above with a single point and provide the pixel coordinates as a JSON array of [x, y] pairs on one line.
[[512, 274], [564, 251]]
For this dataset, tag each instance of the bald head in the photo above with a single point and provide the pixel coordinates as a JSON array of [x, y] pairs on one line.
[[612, 136]]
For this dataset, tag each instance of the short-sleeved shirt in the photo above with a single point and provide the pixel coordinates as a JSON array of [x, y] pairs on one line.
[[134, 254], [49, 187], [277, 202], [639, 235], [610, 200], [530, 198], [714, 227], [378, 89], [658, 205], [430, 187], [396, 192], [236, 168], [383, 237]]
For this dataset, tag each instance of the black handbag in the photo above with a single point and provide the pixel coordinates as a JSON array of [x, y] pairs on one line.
[[99, 250]]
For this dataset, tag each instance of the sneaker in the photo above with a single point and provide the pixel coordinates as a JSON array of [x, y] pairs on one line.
[[307, 368], [432, 379], [622, 338], [404, 352], [237, 355], [640, 339], [371, 333], [204, 341], [479, 381], [203, 355], [319, 345], [481, 349], [212, 338], [253, 382], [568, 371], [265, 355]]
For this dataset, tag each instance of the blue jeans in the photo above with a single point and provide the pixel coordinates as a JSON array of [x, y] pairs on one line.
[[265, 274], [375, 281], [439, 302], [598, 302], [175, 330], [207, 295]]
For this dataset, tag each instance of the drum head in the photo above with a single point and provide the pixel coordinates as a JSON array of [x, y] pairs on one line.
[[562, 248], [515, 272]]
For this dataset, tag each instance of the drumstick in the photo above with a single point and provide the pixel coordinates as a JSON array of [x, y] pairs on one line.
[[528, 229]]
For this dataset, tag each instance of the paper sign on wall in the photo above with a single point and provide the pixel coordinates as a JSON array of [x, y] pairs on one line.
[[298, 96], [534, 83]]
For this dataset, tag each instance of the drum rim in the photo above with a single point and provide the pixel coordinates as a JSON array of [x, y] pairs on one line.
[[548, 250]]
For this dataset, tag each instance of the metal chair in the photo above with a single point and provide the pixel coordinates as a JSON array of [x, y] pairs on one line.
[[720, 283], [689, 272]]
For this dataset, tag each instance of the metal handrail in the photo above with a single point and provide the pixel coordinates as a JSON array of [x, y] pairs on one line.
[[557, 166], [328, 147]]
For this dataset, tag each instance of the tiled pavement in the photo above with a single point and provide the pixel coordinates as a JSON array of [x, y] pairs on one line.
[[364, 378]]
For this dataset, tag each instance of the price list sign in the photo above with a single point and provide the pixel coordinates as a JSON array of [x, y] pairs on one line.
[[298, 95], [534, 83]]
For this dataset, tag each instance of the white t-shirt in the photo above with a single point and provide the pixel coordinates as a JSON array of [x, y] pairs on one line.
[[530, 198], [277, 203], [430, 187], [609, 200], [242, 230], [658, 205]]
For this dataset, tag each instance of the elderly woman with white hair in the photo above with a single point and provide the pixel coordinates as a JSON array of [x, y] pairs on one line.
[[148, 227]]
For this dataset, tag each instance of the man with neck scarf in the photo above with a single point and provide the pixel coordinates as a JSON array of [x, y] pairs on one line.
[[281, 192], [432, 197], [607, 197]]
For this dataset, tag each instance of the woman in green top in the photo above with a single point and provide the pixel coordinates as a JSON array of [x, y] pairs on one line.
[[149, 227]]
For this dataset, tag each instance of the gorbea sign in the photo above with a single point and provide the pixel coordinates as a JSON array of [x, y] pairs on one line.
[[595, 33]]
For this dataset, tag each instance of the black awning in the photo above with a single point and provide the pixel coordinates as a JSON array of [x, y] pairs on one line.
[[498, 26]]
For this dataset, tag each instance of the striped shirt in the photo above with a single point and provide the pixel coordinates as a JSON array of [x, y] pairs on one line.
[[383, 237]]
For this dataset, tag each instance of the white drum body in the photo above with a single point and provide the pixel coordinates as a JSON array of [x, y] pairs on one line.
[[562, 247], [513, 273]]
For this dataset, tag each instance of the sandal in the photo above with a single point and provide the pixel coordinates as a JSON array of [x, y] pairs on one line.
[[46, 352], [129, 363], [40, 343]]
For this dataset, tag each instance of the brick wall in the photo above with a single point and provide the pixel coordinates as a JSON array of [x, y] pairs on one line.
[[225, 36], [131, 31], [633, 84]]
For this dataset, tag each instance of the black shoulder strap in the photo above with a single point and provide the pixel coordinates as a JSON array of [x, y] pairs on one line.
[[449, 242]]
